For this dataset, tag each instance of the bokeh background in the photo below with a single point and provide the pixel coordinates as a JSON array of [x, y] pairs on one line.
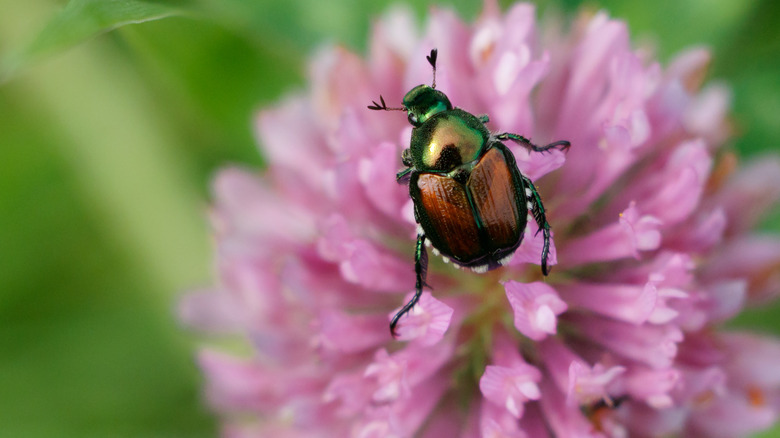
[[113, 118]]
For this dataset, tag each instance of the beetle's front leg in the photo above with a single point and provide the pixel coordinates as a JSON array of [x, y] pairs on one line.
[[420, 270], [534, 202], [526, 143], [402, 177]]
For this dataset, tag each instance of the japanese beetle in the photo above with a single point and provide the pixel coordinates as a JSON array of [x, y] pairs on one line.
[[470, 200]]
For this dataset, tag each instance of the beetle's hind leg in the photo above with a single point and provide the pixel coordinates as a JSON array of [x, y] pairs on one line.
[[526, 143], [420, 270], [534, 202]]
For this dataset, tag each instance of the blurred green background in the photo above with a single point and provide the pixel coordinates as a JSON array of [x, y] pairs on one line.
[[107, 146]]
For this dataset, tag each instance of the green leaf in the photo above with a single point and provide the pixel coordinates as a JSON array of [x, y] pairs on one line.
[[83, 19]]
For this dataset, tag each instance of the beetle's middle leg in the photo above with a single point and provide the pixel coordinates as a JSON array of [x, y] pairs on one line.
[[526, 143], [420, 270], [534, 202]]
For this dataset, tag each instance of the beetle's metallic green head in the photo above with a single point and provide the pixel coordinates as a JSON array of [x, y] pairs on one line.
[[422, 102]]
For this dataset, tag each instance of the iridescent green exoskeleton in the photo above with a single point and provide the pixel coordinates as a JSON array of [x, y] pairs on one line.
[[470, 200]]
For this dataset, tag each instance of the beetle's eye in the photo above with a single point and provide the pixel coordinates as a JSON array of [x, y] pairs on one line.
[[413, 118]]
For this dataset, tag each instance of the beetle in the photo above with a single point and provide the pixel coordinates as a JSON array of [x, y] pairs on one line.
[[471, 202]]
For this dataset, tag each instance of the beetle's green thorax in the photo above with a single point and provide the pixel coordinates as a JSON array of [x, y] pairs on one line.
[[422, 102], [447, 140]]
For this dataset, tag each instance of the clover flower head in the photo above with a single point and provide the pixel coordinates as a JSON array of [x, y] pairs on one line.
[[652, 250]]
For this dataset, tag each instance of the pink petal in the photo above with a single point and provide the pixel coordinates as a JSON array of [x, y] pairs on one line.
[[283, 147], [690, 66], [632, 233], [209, 310], [360, 260], [589, 384], [375, 269], [442, 423], [245, 205], [733, 415], [393, 39], [703, 232], [496, 422], [404, 417], [536, 306], [752, 258], [751, 359], [749, 194], [377, 174], [563, 419], [582, 383], [677, 192], [241, 384], [653, 386], [653, 345], [629, 303], [510, 387], [701, 384], [390, 374], [533, 424], [347, 333], [339, 84], [706, 116], [350, 391], [426, 322], [395, 375], [725, 299]]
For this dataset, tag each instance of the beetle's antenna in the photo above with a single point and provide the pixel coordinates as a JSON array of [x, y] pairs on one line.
[[432, 60], [383, 106]]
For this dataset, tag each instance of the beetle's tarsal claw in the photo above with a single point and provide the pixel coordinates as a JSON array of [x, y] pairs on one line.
[[562, 145]]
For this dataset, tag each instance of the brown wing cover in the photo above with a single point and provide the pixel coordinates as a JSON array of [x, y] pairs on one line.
[[447, 218], [494, 195]]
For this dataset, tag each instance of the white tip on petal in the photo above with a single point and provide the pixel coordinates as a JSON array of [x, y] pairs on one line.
[[545, 319], [536, 307]]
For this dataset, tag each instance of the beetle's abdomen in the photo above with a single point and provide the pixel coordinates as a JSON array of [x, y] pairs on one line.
[[495, 198], [446, 216]]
